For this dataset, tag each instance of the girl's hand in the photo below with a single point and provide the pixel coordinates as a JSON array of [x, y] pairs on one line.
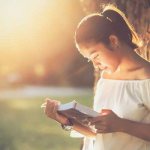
[[50, 109], [107, 122]]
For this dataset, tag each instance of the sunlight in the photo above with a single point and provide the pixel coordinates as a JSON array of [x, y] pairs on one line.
[[30, 35], [39, 70], [16, 15]]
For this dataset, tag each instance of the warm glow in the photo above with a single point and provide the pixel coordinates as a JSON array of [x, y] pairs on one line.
[[39, 70], [17, 17], [4, 70], [33, 32]]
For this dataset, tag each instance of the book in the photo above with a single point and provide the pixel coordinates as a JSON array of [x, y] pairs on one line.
[[78, 113]]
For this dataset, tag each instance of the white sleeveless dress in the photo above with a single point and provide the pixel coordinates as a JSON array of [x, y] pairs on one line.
[[129, 99]]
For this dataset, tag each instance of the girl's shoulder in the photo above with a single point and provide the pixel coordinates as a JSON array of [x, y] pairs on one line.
[[146, 70], [143, 73]]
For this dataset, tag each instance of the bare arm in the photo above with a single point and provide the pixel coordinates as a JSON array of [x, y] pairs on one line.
[[140, 130], [110, 122]]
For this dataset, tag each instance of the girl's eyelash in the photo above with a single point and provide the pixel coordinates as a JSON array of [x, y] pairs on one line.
[[96, 56], [93, 58]]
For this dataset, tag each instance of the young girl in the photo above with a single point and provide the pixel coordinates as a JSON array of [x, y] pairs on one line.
[[123, 92]]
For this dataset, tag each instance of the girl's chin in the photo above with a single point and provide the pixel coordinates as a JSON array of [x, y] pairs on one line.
[[108, 71]]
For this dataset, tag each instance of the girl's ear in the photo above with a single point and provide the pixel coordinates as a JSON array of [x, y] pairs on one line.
[[114, 42]]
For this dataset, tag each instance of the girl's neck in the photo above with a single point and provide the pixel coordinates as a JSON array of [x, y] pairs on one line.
[[131, 67], [130, 61]]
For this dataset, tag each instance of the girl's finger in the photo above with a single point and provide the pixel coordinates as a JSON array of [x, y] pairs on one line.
[[105, 111], [100, 127], [55, 108], [96, 119], [47, 99], [43, 105]]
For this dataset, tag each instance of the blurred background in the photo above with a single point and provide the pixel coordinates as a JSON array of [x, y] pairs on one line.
[[37, 45], [38, 59]]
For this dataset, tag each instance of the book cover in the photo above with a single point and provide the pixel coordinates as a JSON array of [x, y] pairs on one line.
[[78, 113]]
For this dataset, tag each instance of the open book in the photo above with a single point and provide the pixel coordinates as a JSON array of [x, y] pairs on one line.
[[78, 113]]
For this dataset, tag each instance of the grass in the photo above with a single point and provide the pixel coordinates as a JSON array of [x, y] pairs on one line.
[[23, 126]]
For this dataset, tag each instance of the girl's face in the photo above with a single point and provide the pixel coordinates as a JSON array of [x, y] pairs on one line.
[[103, 57]]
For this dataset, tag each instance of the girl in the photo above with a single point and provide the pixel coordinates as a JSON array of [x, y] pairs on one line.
[[123, 92]]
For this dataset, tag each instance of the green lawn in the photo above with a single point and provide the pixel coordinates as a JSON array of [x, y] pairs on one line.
[[23, 126]]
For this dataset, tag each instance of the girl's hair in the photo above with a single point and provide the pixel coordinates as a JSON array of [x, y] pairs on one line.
[[98, 27]]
